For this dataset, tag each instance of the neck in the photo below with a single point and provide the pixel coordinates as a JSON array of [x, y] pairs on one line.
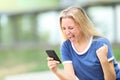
[[82, 40], [82, 44]]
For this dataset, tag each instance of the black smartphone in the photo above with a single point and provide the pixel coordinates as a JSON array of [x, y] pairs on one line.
[[52, 54]]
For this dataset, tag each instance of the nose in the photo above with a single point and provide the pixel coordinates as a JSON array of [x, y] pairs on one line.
[[67, 32]]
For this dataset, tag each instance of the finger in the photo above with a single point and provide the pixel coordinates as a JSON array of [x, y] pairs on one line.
[[99, 49], [104, 46], [52, 64], [57, 62], [49, 59]]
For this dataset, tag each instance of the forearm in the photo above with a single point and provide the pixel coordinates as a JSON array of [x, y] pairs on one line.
[[108, 70], [107, 67], [62, 75]]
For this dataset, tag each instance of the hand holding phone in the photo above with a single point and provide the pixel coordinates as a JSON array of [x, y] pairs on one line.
[[52, 54]]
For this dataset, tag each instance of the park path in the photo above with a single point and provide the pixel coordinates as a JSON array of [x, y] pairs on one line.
[[46, 75]]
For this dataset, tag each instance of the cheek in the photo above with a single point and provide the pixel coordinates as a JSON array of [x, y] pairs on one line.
[[63, 31], [77, 33]]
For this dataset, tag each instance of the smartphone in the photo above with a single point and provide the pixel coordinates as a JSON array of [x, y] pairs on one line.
[[52, 54]]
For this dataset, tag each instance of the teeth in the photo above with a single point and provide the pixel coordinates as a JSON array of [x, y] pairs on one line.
[[70, 37]]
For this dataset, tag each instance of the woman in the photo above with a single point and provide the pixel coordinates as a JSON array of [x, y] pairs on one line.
[[85, 53]]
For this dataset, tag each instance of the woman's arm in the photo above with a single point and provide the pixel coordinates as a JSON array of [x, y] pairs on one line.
[[108, 67], [66, 74]]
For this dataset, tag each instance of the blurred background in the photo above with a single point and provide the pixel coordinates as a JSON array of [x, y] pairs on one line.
[[29, 27]]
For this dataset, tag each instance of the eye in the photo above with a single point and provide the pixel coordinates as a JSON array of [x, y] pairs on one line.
[[71, 27], [63, 28]]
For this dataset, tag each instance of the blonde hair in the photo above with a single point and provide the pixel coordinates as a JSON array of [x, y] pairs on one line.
[[80, 17]]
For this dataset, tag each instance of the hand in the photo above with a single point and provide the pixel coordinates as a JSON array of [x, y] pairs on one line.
[[102, 52], [52, 64]]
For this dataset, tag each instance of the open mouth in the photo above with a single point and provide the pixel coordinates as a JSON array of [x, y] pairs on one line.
[[71, 37]]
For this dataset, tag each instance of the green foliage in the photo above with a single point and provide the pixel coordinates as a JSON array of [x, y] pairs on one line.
[[116, 52], [15, 61], [16, 57]]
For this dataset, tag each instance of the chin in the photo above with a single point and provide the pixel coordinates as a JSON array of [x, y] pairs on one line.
[[71, 40]]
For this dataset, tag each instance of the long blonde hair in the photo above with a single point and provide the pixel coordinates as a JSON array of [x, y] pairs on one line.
[[80, 17]]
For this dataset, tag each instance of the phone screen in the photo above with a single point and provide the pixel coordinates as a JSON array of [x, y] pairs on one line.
[[52, 53]]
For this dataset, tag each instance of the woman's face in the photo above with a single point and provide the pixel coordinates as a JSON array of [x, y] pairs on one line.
[[70, 29]]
